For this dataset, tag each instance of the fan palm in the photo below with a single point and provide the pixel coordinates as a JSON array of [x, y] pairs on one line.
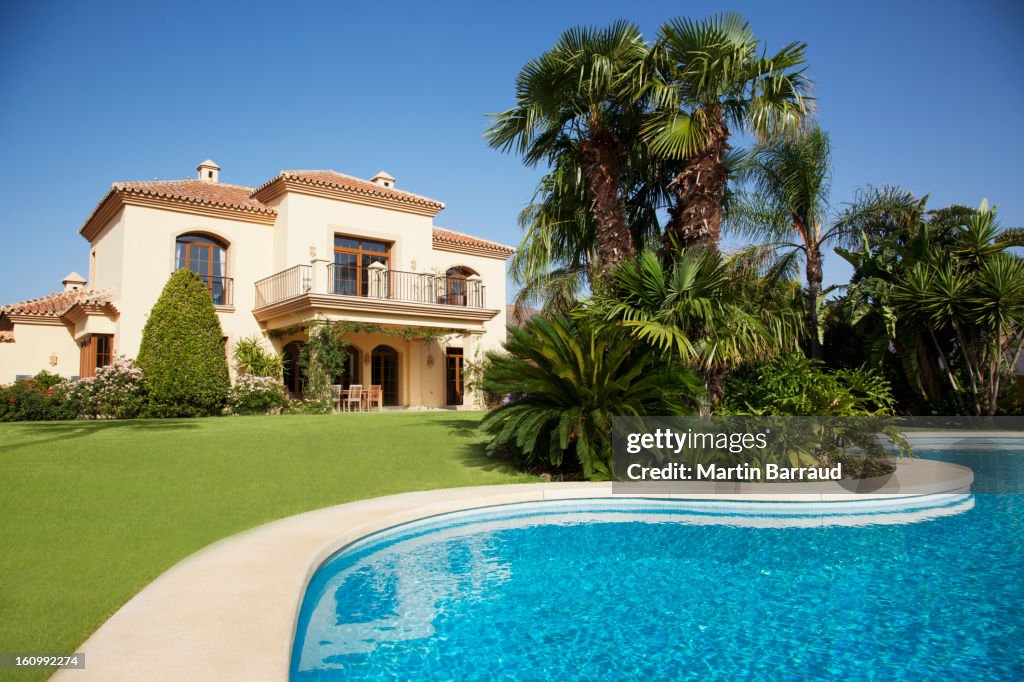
[[578, 99], [710, 75], [700, 311]]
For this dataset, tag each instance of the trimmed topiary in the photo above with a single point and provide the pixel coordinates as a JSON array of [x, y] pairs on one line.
[[182, 354]]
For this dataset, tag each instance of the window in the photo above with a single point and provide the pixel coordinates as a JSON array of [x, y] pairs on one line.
[[95, 351], [207, 258], [352, 256]]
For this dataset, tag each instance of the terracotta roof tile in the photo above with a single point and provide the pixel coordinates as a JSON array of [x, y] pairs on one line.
[[57, 303], [330, 178], [443, 235], [209, 193]]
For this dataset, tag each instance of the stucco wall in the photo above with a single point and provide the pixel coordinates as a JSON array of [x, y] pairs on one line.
[[149, 238], [313, 221], [30, 353], [492, 271]]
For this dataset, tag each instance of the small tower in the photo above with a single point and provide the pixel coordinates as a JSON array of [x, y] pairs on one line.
[[383, 179], [208, 171], [73, 282]]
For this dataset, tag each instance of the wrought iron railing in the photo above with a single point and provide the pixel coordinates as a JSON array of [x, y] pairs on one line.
[[395, 285], [285, 284], [373, 282], [222, 289]]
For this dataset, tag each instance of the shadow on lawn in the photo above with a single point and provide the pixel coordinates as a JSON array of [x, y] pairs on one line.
[[465, 427], [48, 432]]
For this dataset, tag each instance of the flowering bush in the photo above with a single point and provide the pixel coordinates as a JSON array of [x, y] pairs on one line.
[[308, 406], [116, 392], [256, 395], [33, 400]]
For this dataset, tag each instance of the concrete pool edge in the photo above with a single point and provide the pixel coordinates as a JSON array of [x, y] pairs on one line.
[[229, 610]]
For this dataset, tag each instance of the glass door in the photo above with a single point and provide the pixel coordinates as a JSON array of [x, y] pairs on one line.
[[453, 376], [384, 372]]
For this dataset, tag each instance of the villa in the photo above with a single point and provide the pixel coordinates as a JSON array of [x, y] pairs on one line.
[[304, 246]]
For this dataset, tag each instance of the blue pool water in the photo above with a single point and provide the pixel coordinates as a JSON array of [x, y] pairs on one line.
[[629, 589]]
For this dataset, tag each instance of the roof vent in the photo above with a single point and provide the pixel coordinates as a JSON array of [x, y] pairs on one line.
[[208, 171], [73, 282], [383, 179]]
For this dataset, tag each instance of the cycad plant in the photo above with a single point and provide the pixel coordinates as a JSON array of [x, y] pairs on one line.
[[565, 378]]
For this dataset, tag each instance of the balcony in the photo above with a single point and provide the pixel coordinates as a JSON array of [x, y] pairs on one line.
[[375, 282]]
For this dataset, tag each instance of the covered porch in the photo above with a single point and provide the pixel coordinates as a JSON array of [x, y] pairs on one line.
[[416, 352]]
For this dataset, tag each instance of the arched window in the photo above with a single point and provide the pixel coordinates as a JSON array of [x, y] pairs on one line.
[[455, 284], [206, 257]]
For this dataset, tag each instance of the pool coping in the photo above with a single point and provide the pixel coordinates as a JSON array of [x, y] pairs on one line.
[[229, 610]]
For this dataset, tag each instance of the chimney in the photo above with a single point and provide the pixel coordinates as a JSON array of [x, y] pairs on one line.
[[73, 282], [208, 171], [383, 179]]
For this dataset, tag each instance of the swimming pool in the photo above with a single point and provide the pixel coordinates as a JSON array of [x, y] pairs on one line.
[[630, 589]]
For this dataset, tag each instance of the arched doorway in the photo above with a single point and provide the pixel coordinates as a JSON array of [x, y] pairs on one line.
[[293, 379], [384, 372], [456, 287], [350, 375]]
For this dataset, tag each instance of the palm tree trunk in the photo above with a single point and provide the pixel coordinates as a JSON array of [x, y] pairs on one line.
[[714, 384], [814, 277], [602, 164], [926, 380], [696, 218]]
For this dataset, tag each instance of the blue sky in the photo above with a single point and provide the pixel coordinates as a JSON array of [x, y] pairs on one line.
[[927, 96]]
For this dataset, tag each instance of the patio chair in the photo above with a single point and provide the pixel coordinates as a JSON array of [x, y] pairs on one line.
[[336, 397], [375, 396], [355, 395]]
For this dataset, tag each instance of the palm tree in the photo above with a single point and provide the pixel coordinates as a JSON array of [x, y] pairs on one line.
[[710, 75], [578, 99], [557, 259], [789, 197], [566, 378], [700, 311]]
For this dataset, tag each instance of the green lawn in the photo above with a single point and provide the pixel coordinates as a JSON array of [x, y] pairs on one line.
[[90, 512]]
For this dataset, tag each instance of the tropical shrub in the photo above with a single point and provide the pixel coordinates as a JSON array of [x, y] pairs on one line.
[[256, 395], [564, 379], [253, 359], [182, 353], [794, 385], [943, 292]]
